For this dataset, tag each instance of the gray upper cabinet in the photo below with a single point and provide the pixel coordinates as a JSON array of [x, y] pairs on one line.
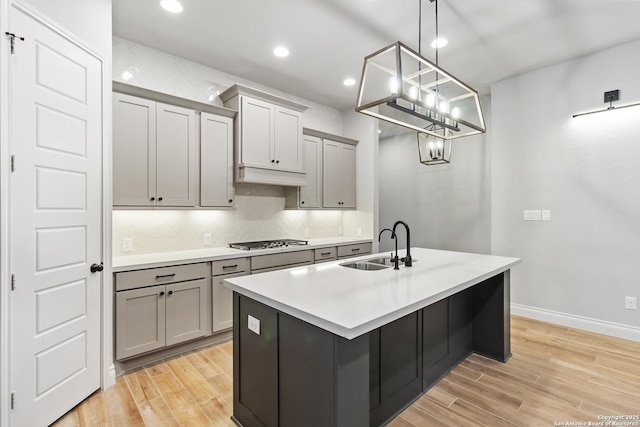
[[216, 161], [154, 153], [268, 137], [311, 194], [330, 162], [339, 175]]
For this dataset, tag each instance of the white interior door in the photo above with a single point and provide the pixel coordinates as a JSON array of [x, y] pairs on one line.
[[55, 223]]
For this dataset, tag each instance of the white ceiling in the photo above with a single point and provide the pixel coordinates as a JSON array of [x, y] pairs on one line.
[[489, 40]]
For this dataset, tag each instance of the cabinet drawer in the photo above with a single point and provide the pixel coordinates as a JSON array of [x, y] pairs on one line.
[[155, 276], [354, 250], [281, 260], [326, 254], [227, 266]]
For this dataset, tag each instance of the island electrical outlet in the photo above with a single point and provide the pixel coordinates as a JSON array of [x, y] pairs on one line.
[[254, 324], [631, 303]]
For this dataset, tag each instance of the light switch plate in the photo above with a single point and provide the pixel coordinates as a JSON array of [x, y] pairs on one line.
[[532, 215], [207, 239], [254, 324], [631, 303], [546, 215]]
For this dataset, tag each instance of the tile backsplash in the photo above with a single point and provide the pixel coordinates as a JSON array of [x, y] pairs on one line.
[[259, 214]]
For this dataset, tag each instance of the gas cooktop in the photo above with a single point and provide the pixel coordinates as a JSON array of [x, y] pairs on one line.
[[266, 244]]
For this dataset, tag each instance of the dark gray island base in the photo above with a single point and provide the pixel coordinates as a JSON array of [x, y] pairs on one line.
[[296, 374]]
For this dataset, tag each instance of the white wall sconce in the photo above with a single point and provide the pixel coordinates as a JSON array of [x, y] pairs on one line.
[[609, 97]]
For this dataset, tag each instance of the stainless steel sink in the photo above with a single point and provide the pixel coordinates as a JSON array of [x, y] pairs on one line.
[[372, 264], [362, 265], [383, 261]]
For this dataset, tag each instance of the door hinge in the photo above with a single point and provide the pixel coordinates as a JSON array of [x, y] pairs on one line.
[[13, 400], [13, 163], [13, 38], [13, 282]]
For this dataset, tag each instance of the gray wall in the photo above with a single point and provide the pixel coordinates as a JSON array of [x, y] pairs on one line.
[[88, 20], [446, 206], [586, 170]]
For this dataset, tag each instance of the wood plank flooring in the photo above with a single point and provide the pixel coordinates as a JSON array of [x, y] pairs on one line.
[[556, 374]]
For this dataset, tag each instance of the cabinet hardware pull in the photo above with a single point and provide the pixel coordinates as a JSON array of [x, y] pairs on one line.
[[273, 161], [277, 161], [355, 249], [159, 199], [229, 266], [230, 200], [325, 253], [164, 276], [161, 293], [170, 292], [152, 198], [302, 202]]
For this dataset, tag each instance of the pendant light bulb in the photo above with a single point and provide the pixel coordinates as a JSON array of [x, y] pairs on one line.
[[431, 100], [413, 92], [455, 112], [393, 85], [443, 107]]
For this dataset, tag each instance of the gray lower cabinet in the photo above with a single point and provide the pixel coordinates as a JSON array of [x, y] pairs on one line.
[[160, 307], [221, 296], [348, 251]]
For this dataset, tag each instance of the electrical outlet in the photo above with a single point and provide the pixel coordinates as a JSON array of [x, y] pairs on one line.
[[546, 215], [254, 324], [532, 215], [631, 303], [127, 244], [307, 232], [207, 239]]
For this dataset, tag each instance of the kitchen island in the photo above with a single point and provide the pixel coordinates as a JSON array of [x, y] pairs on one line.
[[327, 345]]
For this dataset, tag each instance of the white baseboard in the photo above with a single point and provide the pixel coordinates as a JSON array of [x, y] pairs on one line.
[[570, 320]]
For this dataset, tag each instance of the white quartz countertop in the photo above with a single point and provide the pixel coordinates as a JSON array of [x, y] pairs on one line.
[[164, 259], [350, 302]]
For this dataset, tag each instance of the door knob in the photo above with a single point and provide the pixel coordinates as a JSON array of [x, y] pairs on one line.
[[96, 267]]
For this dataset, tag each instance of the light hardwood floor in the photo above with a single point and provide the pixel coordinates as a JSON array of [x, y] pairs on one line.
[[556, 374]]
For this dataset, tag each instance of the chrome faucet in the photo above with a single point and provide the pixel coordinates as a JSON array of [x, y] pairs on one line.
[[407, 258], [393, 236]]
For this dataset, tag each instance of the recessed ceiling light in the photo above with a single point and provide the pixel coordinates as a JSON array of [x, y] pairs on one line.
[[126, 75], [438, 43], [281, 52], [172, 6], [349, 82]]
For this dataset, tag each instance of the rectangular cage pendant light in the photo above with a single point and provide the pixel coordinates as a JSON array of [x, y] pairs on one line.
[[400, 86]]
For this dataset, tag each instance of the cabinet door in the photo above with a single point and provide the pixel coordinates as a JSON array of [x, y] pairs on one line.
[[339, 175], [175, 156], [310, 195], [347, 184], [216, 160], [134, 156], [330, 174], [187, 305], [222, 302], [287, 145], [140, 321], [257, 132]]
